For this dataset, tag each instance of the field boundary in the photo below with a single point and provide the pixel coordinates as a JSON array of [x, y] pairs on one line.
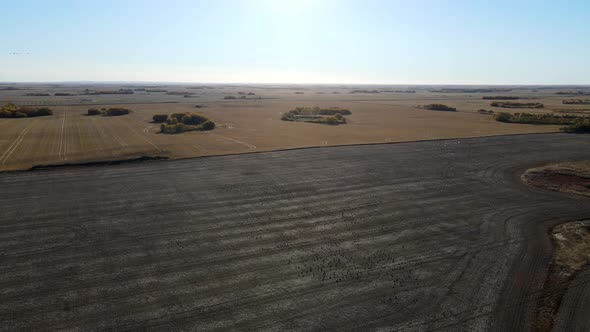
[[118, 161], [96, 163]]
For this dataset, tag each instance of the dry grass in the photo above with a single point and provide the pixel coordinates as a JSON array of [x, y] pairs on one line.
[[572, 241], [571, 252], [242, 125]]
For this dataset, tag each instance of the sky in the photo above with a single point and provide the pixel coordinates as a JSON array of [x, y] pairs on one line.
[[296, 41]]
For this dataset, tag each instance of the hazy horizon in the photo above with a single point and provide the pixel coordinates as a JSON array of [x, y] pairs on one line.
[[91, 82], [297, 42]]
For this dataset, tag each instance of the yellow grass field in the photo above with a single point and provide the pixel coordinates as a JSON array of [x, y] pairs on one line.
[[250, 125]]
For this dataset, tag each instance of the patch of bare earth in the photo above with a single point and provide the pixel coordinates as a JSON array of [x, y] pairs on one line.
[[572, 177], [571, 252], [571, 241]]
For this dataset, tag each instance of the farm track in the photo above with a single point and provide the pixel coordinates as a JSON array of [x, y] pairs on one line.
[[415, 236], [15, 144], [63, 139], [248, 145], [142, 136]]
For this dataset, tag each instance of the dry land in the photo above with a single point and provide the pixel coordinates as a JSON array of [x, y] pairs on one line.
[[571, 253], [571, 177], [398, 237], [251, 122]]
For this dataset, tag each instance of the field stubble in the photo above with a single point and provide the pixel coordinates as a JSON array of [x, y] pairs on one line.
[[243, 126]]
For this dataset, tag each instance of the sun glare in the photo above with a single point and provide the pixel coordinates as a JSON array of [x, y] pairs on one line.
[[290, 7]]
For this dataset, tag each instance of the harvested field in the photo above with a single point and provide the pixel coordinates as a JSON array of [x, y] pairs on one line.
[[244, 125], [411, 236]]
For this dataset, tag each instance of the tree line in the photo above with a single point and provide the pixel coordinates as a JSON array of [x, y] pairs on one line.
[[176, 123], [113, 111], [10, 110]]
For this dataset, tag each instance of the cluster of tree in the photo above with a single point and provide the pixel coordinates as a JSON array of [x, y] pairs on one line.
[[248, 94], [583, 93], [334, 119], [319, 111], [117, 111], [109, 92], [181, 122], [332, 115], [487, 112], [516, 105], [113, 111], [299, 92], [63, 94], [500, 98], [439, 107], [576, 101], [201, 87], [461, 90], [240, 97], [155, 90], [37, 94], [581, 125], [540, 119], [365, 91], [179, 93], [159, 118], [12, 111], [10, 88]]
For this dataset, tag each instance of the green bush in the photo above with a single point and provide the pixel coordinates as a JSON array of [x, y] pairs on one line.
[[193, 119], [576, 101], [94, 111], [12, 111], [160, 118], [483, 111], [331, 120], [38, 94], [509, 104], [582, 125], [177, 116], [439, 107], [181, 122], [538, 119], [331, 115], [503, 117], [208, 125], [117, 111], [500, 98]]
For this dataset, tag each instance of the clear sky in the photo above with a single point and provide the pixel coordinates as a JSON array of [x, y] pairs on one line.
[[297, 41]]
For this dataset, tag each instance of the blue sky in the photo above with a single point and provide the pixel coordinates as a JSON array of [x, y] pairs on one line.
[[297, 41]]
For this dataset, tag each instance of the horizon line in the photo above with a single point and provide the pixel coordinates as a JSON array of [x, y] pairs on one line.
[[294, 83]]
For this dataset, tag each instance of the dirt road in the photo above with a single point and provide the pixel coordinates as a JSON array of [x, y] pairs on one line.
[[410, 236]]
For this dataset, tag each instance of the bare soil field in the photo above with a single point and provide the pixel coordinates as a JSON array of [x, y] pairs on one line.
[[243, 125], [438, 235]]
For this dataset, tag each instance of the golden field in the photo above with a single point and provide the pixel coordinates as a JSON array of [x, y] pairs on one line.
[[245, 125]]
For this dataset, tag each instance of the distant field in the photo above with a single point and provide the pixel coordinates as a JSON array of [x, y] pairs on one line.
[[243, 125]]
